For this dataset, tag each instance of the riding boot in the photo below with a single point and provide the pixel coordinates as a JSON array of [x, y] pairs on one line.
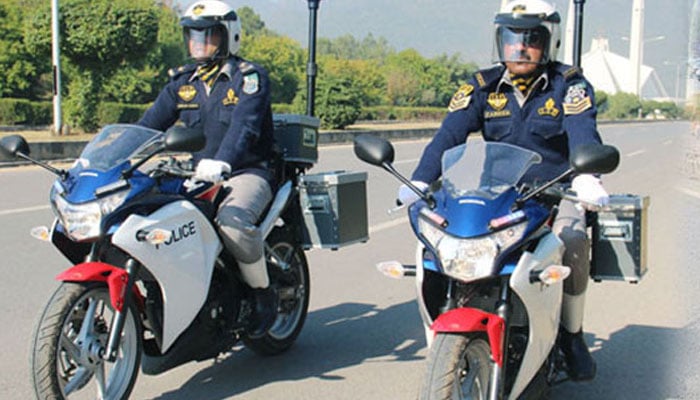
[[264, 295], [582, 366], [266, 301]]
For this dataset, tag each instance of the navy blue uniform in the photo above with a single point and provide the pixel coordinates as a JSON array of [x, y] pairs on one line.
[[558, 115], [236, 116]]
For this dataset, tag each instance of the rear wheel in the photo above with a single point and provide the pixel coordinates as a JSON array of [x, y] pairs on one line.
[[459, 367], [289, 275], [71, 335]]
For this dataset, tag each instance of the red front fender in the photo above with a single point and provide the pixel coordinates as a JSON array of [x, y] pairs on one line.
[[467, 319], [115, 277]]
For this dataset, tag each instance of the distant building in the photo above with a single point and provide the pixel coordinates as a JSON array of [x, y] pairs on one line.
[[610, 72]]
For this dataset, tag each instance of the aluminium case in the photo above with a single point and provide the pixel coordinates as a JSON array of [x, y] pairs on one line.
[[334, 208], [296, 136], [619, 239]]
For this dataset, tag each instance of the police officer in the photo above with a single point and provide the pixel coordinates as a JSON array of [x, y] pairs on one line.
[[532, 101], [229, 98]]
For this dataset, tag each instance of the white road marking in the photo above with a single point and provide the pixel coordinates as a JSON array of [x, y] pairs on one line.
[[689, 192], [636, 153], [387, 225], [23, 210]]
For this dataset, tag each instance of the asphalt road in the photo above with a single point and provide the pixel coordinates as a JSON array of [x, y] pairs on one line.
[[363, 338]]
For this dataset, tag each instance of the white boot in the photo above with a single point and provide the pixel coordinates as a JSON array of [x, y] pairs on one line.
[[572, 312], [255, 273]]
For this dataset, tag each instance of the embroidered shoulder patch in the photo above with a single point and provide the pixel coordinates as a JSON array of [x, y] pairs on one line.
[[461, 98], [576, 100], [251, 83]]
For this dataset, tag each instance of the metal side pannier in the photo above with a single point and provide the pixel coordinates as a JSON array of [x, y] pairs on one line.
[[334, 207], [619, 239]]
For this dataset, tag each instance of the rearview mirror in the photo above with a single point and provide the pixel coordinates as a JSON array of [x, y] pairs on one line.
[[13, 145], [594, 158], [180, 138], [373, 150]]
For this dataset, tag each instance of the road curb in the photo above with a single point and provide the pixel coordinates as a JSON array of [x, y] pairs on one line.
[[70, 150]]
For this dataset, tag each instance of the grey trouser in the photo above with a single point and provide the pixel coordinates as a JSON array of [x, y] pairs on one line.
[[570, 226], [239, 214]]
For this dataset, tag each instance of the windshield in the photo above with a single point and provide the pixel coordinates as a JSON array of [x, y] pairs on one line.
[[115, 144], [484, 169]]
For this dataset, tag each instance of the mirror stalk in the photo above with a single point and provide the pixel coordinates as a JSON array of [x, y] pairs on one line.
[[127, 173], [428, 199], [57, 171], [519, 202]]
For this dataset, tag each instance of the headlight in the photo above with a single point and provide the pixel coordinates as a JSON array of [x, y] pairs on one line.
[[82, 221], [469, 259]]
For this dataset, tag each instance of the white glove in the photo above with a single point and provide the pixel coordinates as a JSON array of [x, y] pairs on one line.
[[407, 196], [589, 189], [211, 170]]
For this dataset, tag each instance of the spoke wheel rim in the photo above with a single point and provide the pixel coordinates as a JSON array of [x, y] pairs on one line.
[[291, 288], [84, 335]]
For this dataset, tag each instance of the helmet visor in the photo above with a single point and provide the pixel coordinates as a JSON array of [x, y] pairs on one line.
[[205, 44], [517, 45]]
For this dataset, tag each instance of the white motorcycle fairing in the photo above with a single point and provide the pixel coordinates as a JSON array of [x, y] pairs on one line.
[[543, 305], [182, 266]]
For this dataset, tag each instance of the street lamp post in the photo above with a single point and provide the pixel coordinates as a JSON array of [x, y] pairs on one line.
[[311, 67], [56, 69]]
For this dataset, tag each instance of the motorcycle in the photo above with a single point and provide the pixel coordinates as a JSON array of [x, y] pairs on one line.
[[152, 285], [489, 273]]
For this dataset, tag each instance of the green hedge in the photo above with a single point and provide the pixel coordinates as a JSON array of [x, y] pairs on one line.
[[25, 112], [110, 113], [389, 113]]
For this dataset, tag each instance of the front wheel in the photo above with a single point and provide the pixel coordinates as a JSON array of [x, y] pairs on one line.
[[459, 367], [289, 275], [71, 335]]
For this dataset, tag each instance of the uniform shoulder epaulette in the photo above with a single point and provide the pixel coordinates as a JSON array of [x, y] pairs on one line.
[[568, 71], [246, 67], [173, 73], [487, 76]]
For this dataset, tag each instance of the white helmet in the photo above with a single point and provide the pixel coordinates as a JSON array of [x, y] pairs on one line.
[[528, 22], [213, 15]]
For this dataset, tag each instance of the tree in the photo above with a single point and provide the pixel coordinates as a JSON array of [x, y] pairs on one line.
[[363, 74], [283, 58], [98, 36], [338, 102], [623, 105], [21, 68], [252, 26], [139, 81]]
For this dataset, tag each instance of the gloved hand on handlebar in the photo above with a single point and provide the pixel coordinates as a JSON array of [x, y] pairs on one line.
[[210, 170], [589, 189], [406, 196]]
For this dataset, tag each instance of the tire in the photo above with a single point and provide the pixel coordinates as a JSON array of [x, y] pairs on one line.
[[289, 275], [459, 367], [61, 367]]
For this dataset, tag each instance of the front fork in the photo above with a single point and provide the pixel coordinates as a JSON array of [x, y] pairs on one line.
[[122, 293], [115, 333], [498, 371]]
